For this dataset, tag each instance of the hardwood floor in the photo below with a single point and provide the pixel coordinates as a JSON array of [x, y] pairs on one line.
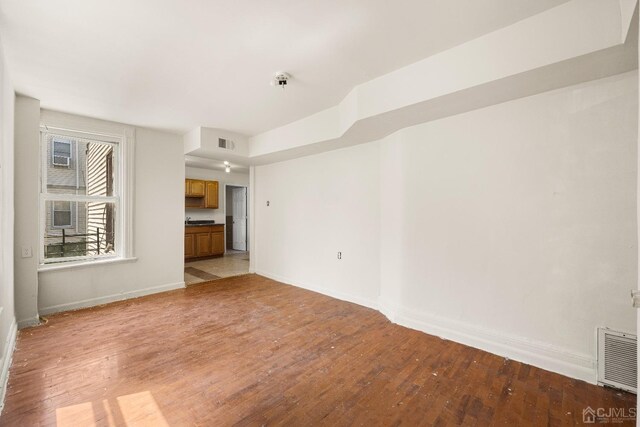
[[250, 351]]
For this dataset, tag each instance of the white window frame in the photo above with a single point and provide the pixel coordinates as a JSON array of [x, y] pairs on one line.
[[53, 153], [122, 139]]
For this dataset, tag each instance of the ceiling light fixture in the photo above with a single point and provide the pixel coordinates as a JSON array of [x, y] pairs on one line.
[[281, 79]]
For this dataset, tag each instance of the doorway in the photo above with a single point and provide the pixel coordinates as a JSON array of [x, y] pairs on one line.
[[236, 200], [233, 215]]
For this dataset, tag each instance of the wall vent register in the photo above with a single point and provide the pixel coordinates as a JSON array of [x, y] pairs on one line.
[[226, 144], [617, 360]]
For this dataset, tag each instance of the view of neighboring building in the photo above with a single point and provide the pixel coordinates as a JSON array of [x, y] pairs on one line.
[[78, 167]]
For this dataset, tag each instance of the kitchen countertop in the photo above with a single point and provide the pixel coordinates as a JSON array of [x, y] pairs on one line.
[[202, 225]]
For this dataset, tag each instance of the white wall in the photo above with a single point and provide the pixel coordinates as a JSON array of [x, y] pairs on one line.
[[157, 226], [218, 215], [515, 232], [518, 222], [320, 205], [7, 313], [27, 228]]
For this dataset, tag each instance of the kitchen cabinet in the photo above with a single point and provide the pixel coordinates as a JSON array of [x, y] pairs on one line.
[[201, 194], [211, 195], [194, 188], [217, 242], [203, 244], [203, 241], [189, 246]]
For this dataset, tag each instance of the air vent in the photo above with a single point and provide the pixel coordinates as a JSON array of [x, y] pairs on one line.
[[226, 144], [617, 360]]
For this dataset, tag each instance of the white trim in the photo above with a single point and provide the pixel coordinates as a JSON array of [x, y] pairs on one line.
[[126, 171], [253, 254], [539, 354], [90, 262], [78, 198], [322, 290], [70, 133], [45, 196], [7, 358], [224, 192], [42, 217], [32, 321], [79, 125], [110, 298], [123, 140], [77, 259]]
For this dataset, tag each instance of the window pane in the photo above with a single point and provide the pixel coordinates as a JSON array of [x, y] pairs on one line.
[[62, 219], [92, 230], [62, 206], [79, 166], [62, 148], [62, 214]]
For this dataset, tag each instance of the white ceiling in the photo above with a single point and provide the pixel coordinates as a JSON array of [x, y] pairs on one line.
[[178, 64]]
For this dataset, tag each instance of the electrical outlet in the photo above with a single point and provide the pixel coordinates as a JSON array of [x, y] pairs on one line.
[[339, 255], [26, 252]]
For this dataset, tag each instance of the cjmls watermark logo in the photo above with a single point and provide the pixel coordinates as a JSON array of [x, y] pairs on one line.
[[607, 415]]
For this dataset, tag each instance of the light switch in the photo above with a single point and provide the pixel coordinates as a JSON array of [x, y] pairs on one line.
[[26, 252]]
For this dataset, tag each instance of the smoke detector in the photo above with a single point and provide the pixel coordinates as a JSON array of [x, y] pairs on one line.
[[280, 79]]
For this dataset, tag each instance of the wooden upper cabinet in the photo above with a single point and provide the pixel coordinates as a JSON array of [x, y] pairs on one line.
[[211, 197], [200, 194], [195, 188]]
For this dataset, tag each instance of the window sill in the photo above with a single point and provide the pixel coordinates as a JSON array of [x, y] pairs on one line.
[[83, 264]]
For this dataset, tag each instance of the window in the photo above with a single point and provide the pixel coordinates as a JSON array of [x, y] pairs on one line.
[[61, 153], [62, 215], [82, 208]]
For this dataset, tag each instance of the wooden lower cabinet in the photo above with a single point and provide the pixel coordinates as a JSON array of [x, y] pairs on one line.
[[189, 246], [217, 242], [203, 242]]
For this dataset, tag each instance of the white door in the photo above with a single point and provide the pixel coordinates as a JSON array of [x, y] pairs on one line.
[[239, 200]]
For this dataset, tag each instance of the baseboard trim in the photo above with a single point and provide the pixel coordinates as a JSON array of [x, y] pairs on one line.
[[542, 355], [322, 290], [25, 323], [110, 298], [7, 358], [538, 354]]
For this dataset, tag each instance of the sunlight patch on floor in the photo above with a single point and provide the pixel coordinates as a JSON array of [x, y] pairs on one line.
[[138, 409]]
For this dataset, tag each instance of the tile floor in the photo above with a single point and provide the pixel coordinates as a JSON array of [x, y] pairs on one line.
[[233, 263]]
